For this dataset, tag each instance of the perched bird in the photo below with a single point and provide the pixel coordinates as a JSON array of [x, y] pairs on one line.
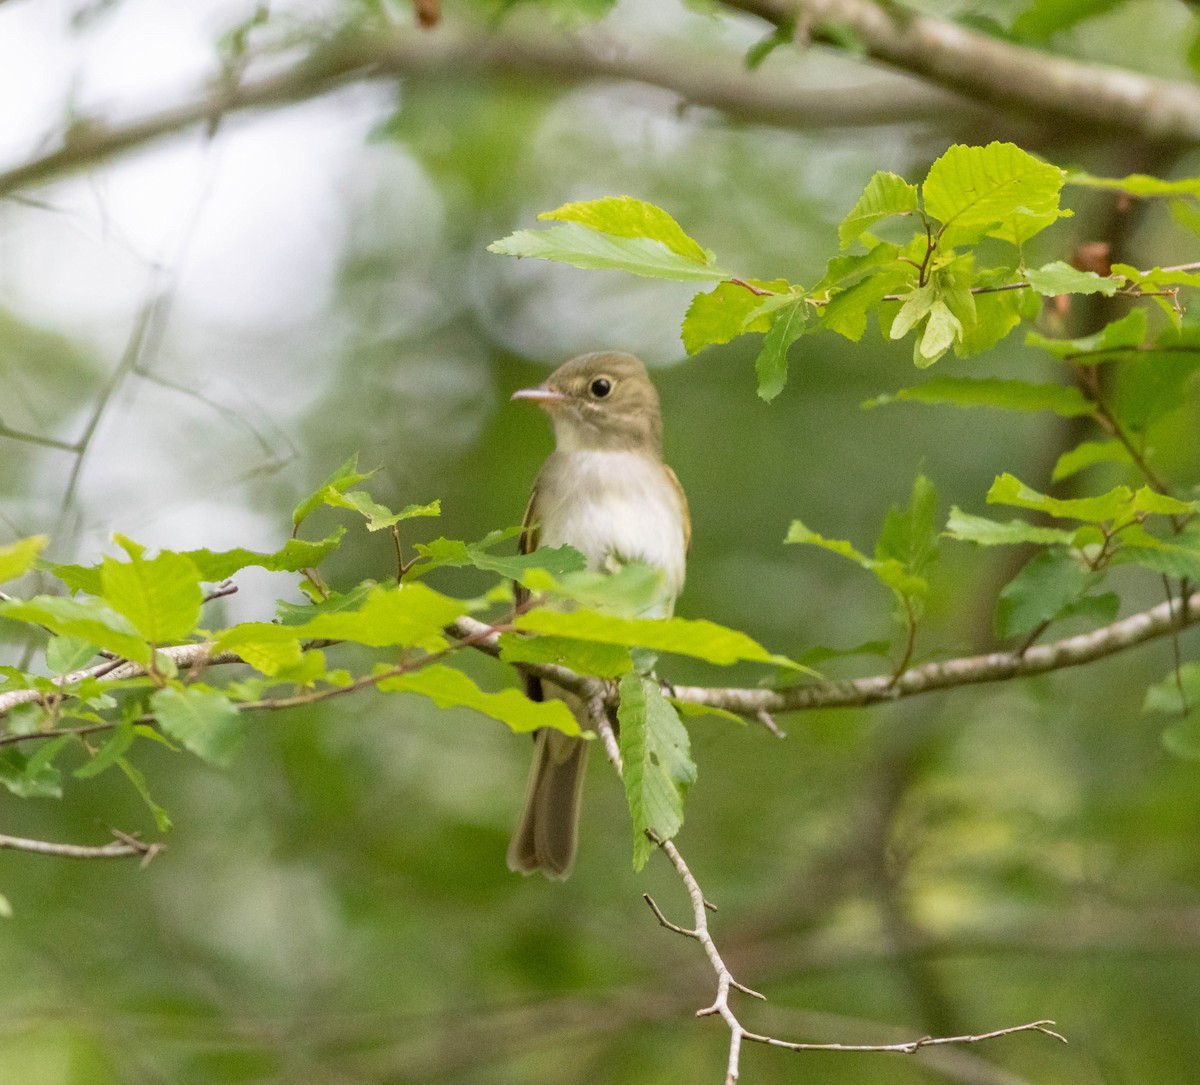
[[605, 491]]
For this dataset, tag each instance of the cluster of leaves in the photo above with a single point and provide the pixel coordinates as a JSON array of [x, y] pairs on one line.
[[958, 281], [134, 610]]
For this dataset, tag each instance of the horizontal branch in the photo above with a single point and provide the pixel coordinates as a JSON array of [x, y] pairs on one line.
[[124, 847], [724, 86], [995, 72]]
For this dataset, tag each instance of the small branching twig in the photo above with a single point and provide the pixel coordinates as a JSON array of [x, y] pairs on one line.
[[125, 846]]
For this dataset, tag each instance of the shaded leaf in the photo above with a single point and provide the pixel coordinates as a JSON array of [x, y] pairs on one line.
[[580, 656], [1012, 395], [979, 529], [1111, 341], [1086, 454], [722, 314], [771, 365], [204, 720], [1045, 587], [1060, 278]]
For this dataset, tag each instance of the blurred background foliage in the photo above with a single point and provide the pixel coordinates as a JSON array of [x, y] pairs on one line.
[[224, 317]]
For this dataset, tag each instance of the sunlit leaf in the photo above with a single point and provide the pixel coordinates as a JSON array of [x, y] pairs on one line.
[[160, 596], [580, 656], [623, 216], [885, 195], [91, 620], [448, 687], [722, 314], [979, 529], [995, 191], [17, 558]]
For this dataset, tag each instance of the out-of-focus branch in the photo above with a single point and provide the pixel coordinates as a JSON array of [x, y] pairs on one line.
[[700, 81], [995, 72]]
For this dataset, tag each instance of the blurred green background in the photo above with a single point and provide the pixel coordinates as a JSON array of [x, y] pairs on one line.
[[239, 314]]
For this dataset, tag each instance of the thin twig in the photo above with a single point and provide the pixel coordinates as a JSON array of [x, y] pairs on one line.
[[125, 846]]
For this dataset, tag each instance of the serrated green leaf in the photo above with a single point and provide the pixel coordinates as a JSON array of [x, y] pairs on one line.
[[623, 216], [1012, 395], [846, 311], [721, 314], [161, 596], [996, 314], [1112, 341], [205, 721], [411, 615], [1060, 278], [885, 195], [580, 656], [331, 490], [92, 620], [700, 638], [1049, 583], [1156, 276], [994, 191], [1177, 556], [450, 688], [161, 818], [17, 558], [67, 654], [380, 516], [657, 766], [110, 753], [771, 366], [583, 248], [1151, 383], [1086, 454], [980, 530], [1009, 490]]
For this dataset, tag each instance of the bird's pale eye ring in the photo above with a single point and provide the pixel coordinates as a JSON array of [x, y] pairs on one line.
[[600, 387]]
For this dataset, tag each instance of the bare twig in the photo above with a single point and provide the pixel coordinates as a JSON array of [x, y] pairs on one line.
[[125, 846]]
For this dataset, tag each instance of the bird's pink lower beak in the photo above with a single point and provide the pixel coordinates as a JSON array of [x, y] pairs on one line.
[[542, 396]]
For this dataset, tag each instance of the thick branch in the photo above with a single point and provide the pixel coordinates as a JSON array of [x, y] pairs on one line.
[[728, 88], [996, 72]]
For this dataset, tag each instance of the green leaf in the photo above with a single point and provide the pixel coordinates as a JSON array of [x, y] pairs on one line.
[[1156, 276], [909, 535], [700, 638], [1177, 693], [771, 365], [380, 516], [205, 721], [1113, 340], [1087, 454], [996, 314], [110, 753], [331, 490], [1008, 490], [161, 818], [450, 688], [1152, 383], [846, 310], [34, 777], [557, 560], [67, 654], [657, 765], [942, 330], [1178, 556], [1048, 584], [411, 615], [885, 195], [1045, 18], [17, 558], [994, 191], [889, 571], [1011, 395], [161, 597], [580, 656], [722, 314], [1060, 278], [623, 216], [1183, 739], [1136, 184], [980, 530], [581, 247], [688, 708], [913, 309], [92, 620]]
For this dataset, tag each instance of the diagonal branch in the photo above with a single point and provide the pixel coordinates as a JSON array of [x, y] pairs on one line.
[[996, 72], [706, 82]]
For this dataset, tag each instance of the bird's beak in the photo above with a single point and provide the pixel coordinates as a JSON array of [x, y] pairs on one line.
[[541, 395]]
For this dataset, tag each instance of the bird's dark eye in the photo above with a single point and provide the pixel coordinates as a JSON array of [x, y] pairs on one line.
[[600, 387]]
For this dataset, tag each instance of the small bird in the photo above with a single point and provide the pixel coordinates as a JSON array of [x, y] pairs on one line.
[[606, 492]]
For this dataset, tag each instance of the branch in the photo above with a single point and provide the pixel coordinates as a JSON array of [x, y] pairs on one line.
[[123, 847], [728, 88], [995, 72]]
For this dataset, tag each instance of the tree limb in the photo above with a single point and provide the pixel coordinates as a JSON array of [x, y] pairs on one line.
[[995, 72], [726, 87]]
